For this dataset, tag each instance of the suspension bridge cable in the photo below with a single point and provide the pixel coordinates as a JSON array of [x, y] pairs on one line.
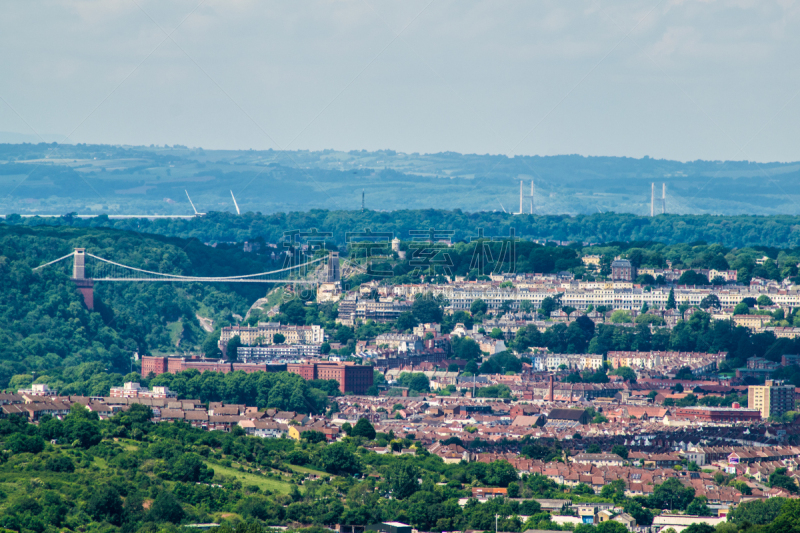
[[56, 261], [193, 278]]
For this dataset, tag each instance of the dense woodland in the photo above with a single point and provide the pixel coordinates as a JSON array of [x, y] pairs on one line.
[[730, 231], [47, 326]]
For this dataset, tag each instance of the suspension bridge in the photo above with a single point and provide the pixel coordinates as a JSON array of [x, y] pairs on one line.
[[88, 268]]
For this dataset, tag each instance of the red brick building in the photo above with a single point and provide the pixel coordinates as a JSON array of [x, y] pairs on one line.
[[719, 414], [154, 365], [352, 378], [161, 365], [249, 367]]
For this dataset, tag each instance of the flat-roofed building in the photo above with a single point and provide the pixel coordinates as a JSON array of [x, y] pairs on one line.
[[774, 398], [352, 378], [719, 414]]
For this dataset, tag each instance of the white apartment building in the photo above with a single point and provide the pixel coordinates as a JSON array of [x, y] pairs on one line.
[[579, 362], [461, 296], [266, 331]]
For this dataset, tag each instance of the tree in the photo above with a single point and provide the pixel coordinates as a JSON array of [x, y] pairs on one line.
[[611, 526], [593, 448], [764, 301], [788, 518], [671, 495], [364, 429], [337, 459], [402, 478], [671, 299], [20, 443], [700, 528], [166, 508], [313, 436], [621, 316], [548, 305], [81, 426], [211, 344], [59, 463], [526, 337], [778, 478], [232, 348], [741, 309], [406, 321], [649, 319], [415, 381], [105, 504], [426, 310], [293, 312], [466, 348], [699, 507], [614, 490], [642, 515], [758, 512], [190, 468], [710, 301], [278, 338], [690, 277], [627, 373], [620, 450], [501, 473], [494, 391], [478, 307], [742, 487]]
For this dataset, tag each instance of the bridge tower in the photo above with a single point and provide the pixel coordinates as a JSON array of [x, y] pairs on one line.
[[333, 273], [84, 285]]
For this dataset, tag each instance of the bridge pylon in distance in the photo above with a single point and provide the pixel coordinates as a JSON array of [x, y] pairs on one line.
[[333, 273], [84, 284]]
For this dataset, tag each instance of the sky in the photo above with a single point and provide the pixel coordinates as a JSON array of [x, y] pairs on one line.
[[675, 79]]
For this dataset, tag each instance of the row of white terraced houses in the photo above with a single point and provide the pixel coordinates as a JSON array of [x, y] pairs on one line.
[[630, 299]]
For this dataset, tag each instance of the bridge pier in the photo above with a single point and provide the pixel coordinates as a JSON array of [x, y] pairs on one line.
[[85, 286]]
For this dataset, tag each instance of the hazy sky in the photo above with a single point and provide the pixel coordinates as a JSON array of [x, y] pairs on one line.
[[670, 79]]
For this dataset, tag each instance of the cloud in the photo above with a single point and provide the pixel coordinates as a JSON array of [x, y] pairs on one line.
[[464, 75]]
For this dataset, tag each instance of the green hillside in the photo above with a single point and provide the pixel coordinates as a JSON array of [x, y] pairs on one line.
[[46, 325]]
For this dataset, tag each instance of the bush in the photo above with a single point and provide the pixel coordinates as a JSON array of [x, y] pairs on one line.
[[19, 443], [105, 505], [166, 508], [59, 463]]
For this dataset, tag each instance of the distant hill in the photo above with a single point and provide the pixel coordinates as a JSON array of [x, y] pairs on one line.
[[58, 179]]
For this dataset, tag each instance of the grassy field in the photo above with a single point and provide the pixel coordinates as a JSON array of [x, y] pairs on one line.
[[304, 470], [175, 331], [262, 483]]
